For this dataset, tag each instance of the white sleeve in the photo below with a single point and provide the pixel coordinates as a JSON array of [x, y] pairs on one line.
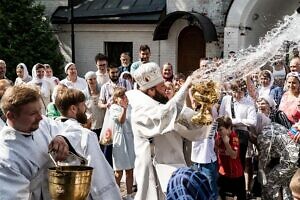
[[14, 185], [251, 117], [152, 120]]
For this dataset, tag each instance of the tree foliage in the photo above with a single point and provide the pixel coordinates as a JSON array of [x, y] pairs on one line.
[[26, 36]]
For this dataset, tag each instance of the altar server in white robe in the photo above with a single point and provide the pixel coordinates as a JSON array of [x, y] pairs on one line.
[[24, 143], [151, 118], [71, 103]]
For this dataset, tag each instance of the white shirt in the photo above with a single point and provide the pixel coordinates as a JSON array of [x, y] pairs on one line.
[[245, 114], [203, 150], [102, 78], [79, 84]]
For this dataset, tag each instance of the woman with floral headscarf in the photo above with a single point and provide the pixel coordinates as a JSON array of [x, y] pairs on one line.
[[290, 98], [22, 73]]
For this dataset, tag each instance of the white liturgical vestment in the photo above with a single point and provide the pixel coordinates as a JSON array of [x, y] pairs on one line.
[[85, 143], [24, 162], [149, 119]]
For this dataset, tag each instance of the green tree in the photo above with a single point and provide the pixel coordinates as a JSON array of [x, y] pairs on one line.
[[26, 36]]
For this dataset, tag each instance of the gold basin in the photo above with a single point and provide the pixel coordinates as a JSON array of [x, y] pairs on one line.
[[69, 182]]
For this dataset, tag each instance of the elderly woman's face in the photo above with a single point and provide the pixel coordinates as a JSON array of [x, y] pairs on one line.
[[92, 81], [262, 105], [293, 84]]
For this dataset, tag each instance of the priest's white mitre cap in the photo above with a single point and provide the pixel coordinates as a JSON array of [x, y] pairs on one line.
[[148, 75]]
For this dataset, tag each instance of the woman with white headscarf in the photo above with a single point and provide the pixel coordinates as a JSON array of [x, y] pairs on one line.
[[92, 93], [44, 86], [266, 88], [73, 80], [267, 113], [22, 73], [127, 76]]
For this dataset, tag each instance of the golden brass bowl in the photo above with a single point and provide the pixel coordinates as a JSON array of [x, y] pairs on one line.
[[69, 182], [205, 95]]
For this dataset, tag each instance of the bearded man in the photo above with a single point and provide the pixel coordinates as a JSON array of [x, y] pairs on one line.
[[154, 118], [71, 104]]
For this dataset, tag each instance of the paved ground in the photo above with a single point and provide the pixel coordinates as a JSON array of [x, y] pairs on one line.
[[123, 190]]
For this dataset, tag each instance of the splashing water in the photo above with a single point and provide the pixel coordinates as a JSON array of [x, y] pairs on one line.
[[271, 48]]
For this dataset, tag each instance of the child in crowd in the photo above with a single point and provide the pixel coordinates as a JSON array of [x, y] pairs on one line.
[[127, 76], [123, 147], [52, 111], [295, 185], [231, 180], [178, 81], [170, 89]]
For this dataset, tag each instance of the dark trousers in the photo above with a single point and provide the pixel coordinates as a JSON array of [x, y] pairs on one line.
[[243, 138], [107, 151], [97, 131], [230, 187]]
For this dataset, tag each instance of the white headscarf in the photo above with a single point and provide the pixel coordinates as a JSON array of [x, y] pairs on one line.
[[35, 79], [90, 75], [269, 100], [291, 74], [124, 73], [26, 75], [266, 90], [68, 65]]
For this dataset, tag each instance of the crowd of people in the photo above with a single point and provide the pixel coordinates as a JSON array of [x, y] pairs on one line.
[[137, 118]]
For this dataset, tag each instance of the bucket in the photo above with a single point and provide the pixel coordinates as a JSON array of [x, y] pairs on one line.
[[69, 182]]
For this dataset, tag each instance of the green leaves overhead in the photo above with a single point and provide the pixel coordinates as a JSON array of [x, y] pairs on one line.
[[26, 36]]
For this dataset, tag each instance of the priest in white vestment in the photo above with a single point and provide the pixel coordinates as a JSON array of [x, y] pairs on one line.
[[71, 103], [151, 118]]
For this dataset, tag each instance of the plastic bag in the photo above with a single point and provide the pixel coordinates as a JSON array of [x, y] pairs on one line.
[[107, 132]]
